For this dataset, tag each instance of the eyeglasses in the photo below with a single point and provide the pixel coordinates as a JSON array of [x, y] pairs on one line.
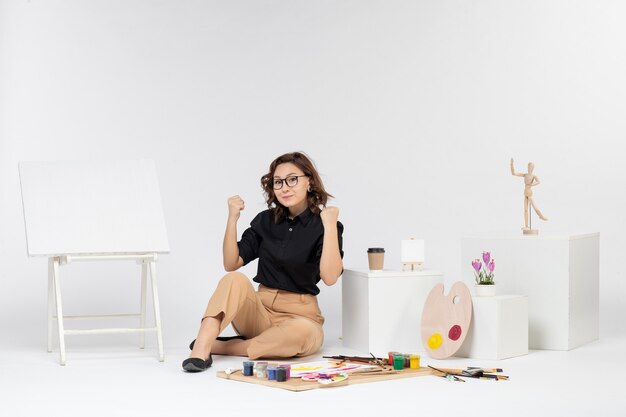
[[291, 181]]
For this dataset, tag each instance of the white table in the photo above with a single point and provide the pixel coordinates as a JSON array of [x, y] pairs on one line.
[[382, 310], [558, 273]]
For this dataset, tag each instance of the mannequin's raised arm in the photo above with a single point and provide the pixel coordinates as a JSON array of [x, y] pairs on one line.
[[517, 174]]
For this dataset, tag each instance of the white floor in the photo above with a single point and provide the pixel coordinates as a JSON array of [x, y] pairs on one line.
[[121, 381]]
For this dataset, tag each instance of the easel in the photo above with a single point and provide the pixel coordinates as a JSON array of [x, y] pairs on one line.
[[413, 265], [95, 211], [148, 268], [412, 253]]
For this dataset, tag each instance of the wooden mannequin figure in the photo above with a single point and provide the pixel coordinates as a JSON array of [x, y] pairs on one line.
[[530, 180]]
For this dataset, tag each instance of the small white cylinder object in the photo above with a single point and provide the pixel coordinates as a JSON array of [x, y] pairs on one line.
[[412, 251]]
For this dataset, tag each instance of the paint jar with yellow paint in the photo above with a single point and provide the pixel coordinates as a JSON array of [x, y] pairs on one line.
[[415, 361]]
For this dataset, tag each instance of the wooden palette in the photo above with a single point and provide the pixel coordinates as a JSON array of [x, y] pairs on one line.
[[296, 384], [446, 320]]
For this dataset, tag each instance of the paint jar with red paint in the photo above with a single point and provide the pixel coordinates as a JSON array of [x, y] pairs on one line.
[[390, 357]]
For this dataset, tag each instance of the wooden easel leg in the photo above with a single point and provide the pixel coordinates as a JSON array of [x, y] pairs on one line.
[[157, 312], [142, 319], [59, 308], [50, 301]]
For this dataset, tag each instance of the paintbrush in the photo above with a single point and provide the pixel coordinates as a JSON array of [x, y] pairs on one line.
[[366, 372], [377, 361], [447, 375], [495, 377], [373, 360], [489, 370], [343, 358], [474, 373]]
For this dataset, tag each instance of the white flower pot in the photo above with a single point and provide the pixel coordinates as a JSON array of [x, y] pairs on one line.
[[485, 290]]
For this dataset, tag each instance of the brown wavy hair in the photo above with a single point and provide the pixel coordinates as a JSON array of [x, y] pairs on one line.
[[317, 197]]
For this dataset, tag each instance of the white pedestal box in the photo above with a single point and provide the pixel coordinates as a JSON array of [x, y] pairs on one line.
[[499, 328], [382, 310], [558, 273]]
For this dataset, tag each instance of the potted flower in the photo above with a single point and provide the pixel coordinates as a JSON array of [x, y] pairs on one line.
[[483, 272]]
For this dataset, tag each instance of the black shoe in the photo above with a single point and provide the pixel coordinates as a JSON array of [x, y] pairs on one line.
[[197, 364], [221, 339]]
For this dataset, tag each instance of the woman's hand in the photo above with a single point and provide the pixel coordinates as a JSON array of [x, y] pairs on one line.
[[235, 206], [330, 262], [329, 216], [232, 260]]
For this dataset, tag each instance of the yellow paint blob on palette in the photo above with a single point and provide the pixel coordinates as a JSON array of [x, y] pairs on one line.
[[434, 341], [446, 320]]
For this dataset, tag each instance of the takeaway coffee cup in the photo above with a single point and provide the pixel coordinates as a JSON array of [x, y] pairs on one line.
[[376, 258]]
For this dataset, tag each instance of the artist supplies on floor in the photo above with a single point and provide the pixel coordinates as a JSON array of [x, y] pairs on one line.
[[344, 370], [321, 374]]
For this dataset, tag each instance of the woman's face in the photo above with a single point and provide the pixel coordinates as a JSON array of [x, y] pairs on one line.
[[293, 196]]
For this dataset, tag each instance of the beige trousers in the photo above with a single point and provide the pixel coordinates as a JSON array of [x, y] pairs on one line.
[[279, 324]]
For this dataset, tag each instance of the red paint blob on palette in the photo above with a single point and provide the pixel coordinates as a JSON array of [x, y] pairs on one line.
[[455, 332]]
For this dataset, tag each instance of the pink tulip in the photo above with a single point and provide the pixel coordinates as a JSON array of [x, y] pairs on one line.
[[492, 265], [476, 265], [486, 257]]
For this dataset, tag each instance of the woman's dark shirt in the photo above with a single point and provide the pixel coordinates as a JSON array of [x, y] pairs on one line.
[[289, 251]]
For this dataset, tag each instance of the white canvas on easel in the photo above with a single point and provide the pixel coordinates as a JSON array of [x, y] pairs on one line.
[[94, 211]]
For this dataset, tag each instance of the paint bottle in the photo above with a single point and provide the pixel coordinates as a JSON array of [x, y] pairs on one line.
[[271, 372], [281, 374], [261, 369], [415, 361], [407, 360], [288, 368], [390, 360], [398, 361], [248, 368]]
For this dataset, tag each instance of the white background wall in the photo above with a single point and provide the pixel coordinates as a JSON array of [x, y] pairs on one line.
[[411, 110]]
